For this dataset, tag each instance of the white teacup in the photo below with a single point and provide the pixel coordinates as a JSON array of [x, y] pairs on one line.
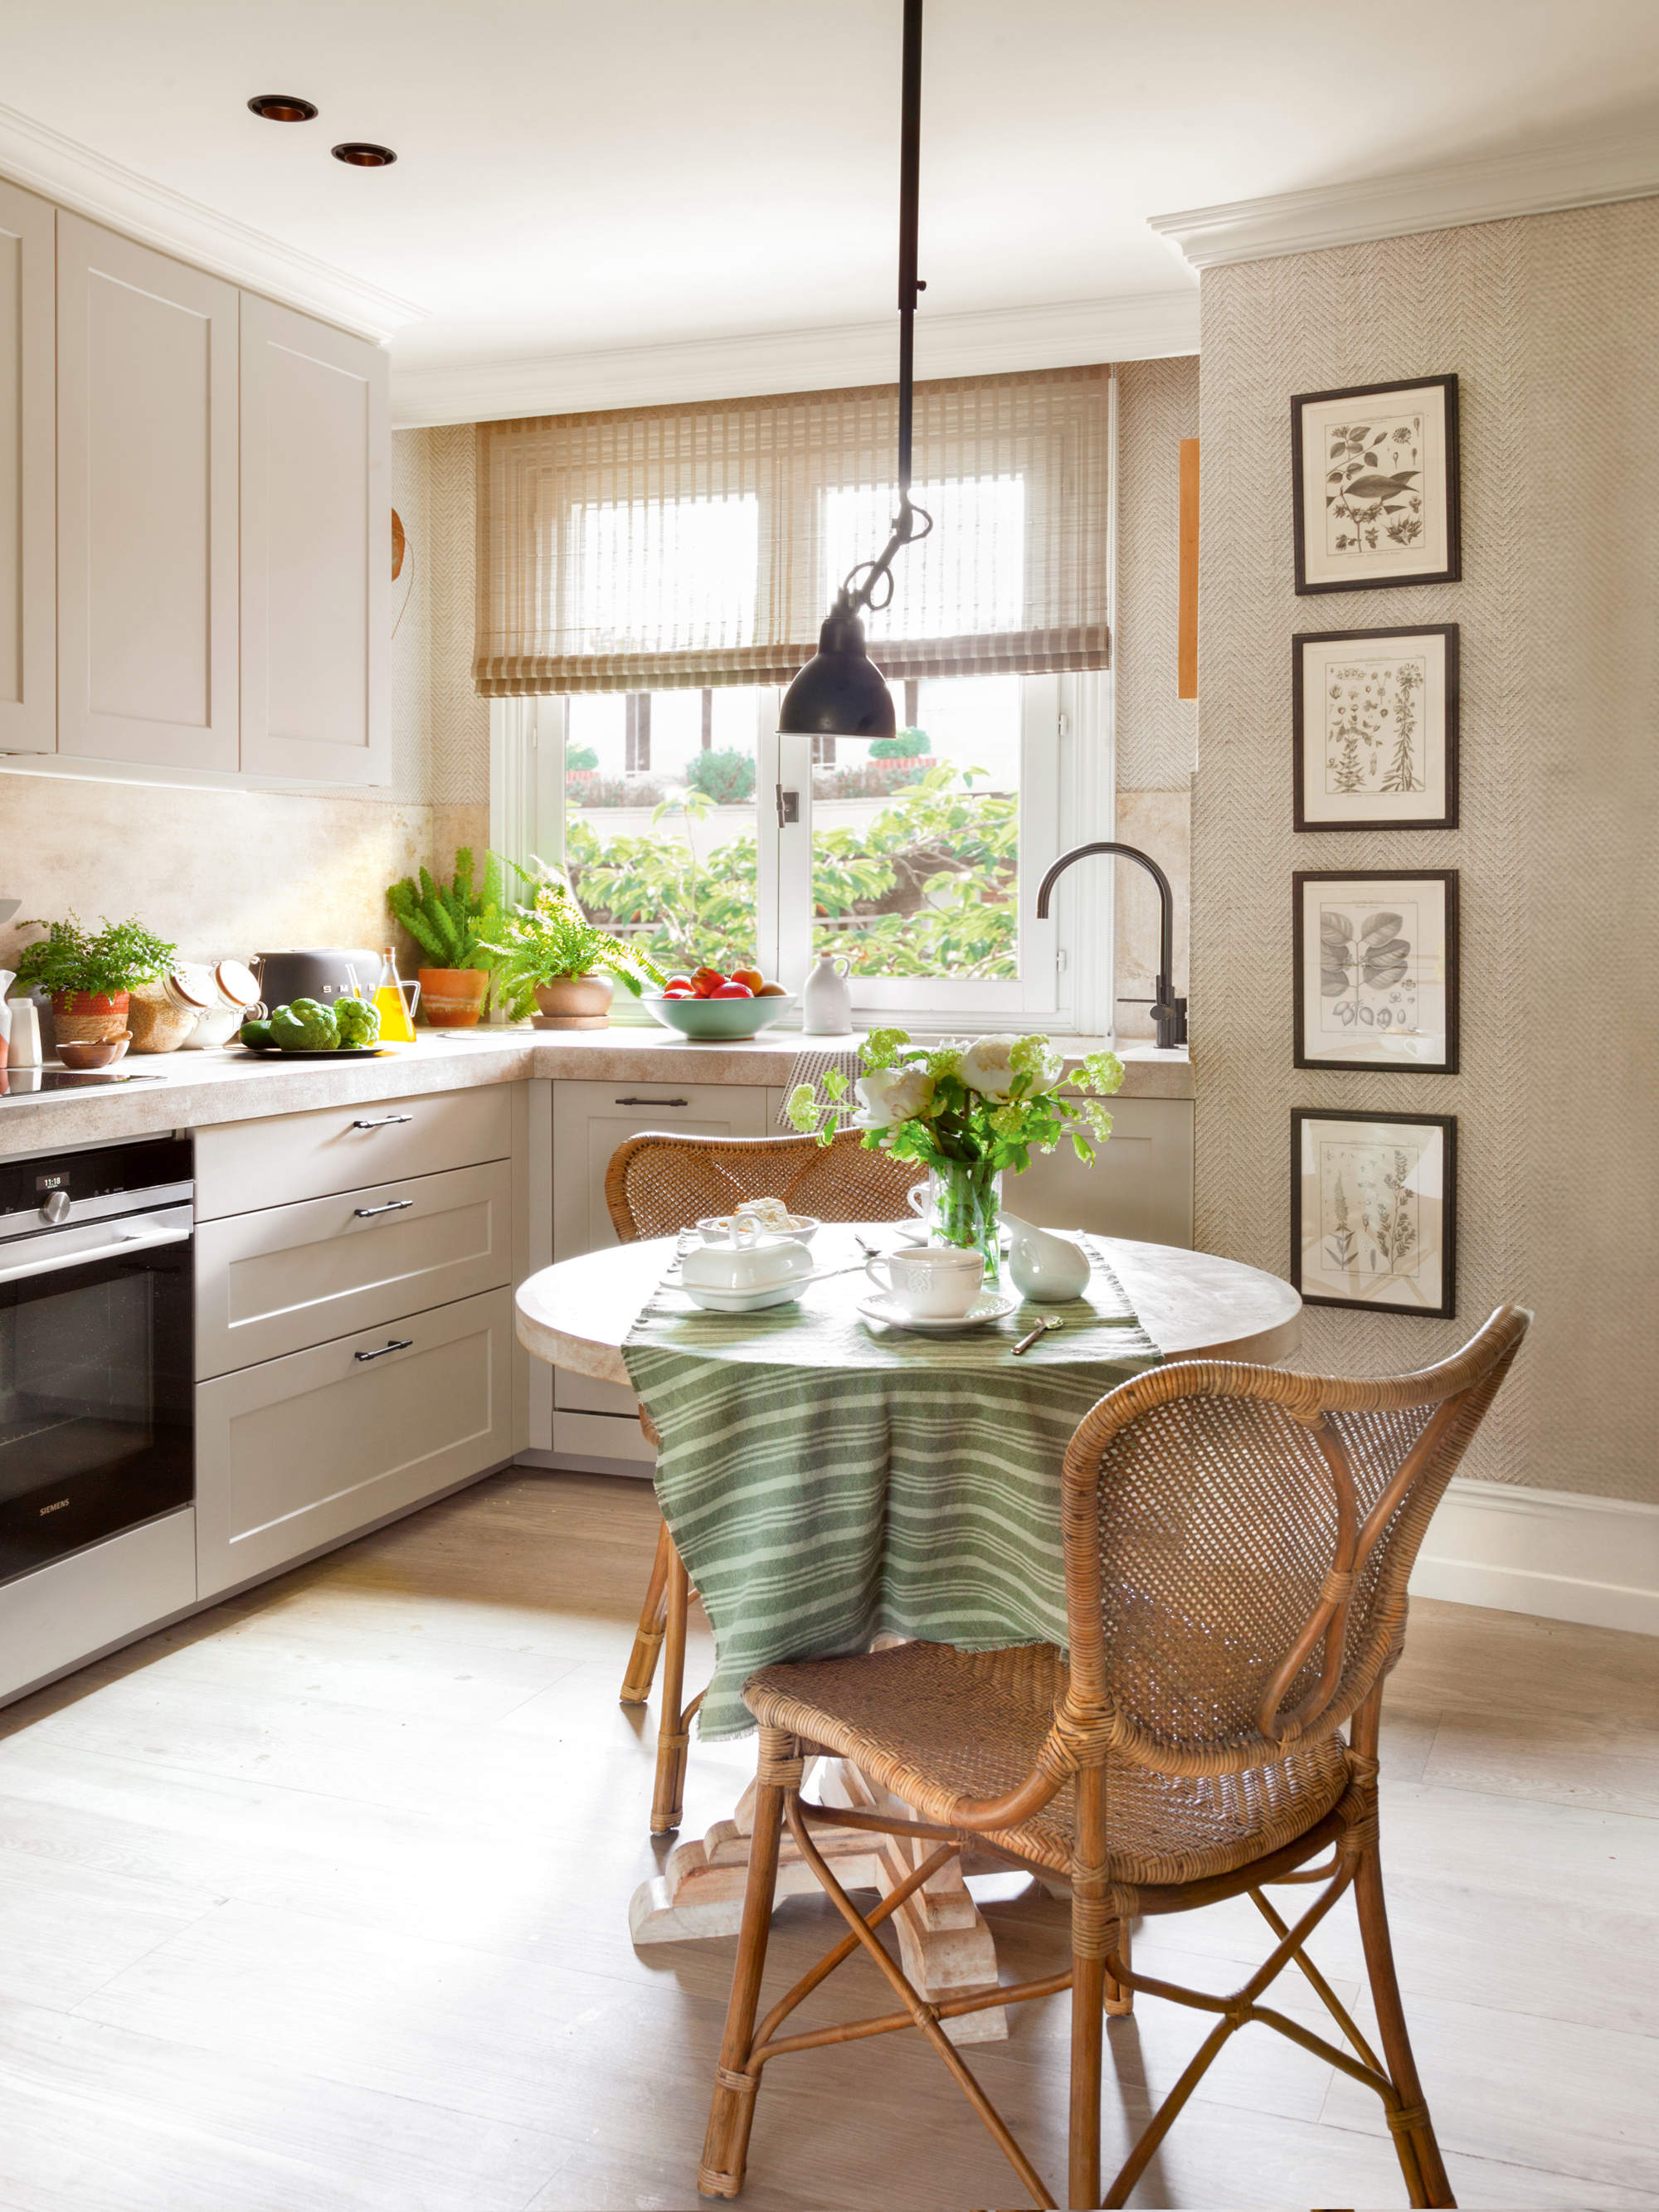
[[934, 1282]]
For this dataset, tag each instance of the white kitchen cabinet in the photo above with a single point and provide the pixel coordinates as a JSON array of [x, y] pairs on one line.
[[316, 549], [28, 618], [147, 505], [1140, 1186], [590, 1119], [302, 1452], [290, 1276], [282, 1158]]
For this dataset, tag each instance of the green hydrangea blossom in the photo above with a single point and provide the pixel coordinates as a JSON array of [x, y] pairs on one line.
[[884, 1047], [1102, 1071], [1097, 1118], [946, 1061], [802, 1108]]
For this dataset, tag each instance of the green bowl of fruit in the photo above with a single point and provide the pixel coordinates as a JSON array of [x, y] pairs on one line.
[[710, 1005]]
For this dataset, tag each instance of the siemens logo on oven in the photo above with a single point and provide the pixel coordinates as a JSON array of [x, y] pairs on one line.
[[57, 1506]]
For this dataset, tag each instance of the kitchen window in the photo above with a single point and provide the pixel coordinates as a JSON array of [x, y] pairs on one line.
[[649, 581]]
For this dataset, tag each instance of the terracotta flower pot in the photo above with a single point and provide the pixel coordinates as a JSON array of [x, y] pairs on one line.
[[575, 1002], [454, 998], [88, 1017]]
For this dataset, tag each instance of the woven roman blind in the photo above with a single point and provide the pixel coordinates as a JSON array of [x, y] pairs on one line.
[[702, 545]]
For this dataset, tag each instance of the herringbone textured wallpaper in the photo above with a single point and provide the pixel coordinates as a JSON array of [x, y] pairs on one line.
[[1552, 325], [1156, 732]]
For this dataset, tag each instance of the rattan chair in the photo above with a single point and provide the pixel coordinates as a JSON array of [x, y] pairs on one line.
[[1238, 1542], [655, 1185]]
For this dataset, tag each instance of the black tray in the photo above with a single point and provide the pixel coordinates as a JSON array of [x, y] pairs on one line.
[[316, 1052]]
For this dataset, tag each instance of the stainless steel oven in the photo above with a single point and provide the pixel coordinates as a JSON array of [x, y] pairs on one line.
[[96, 1353]]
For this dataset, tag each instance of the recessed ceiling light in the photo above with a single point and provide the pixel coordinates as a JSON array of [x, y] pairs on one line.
[[359, 153], [282, 107]]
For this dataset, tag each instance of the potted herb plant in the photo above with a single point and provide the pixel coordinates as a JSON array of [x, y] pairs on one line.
[[549, 955], [449, 924], [91, 978]]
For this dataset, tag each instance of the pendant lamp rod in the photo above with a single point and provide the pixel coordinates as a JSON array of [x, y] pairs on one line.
[[911, 522], [841, 692]]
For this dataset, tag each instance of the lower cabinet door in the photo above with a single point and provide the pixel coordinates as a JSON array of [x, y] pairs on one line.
[[302, 1452], [590, 1119]]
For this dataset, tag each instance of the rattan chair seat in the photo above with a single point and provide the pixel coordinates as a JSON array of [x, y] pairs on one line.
[[936, 1725]]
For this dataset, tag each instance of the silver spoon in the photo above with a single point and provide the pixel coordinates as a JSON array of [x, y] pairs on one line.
[[1049, 1322]]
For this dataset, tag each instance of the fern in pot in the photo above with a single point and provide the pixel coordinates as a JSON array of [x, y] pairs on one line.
[[449, 923], [551, 956], [91, 977]]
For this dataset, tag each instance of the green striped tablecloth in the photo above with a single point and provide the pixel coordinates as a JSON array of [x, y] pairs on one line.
[[826, 1478]]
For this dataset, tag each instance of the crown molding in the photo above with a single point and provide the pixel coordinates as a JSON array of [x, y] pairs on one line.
[[1488, 190], [1144, 326], [88, 183]]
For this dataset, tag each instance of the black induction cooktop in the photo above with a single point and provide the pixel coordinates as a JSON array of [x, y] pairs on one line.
[[30, 1082]]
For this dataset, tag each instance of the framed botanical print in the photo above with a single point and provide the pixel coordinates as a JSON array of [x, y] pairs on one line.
[[1376, 962], [1374, 1210], [1374, 471], [1375, 713]]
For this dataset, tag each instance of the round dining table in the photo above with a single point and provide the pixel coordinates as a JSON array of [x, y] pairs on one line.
[[579, 1313]]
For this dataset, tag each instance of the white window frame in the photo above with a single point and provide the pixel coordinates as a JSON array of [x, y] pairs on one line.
[[1066, 788]]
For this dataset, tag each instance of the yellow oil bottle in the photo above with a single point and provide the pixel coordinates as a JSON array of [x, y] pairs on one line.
[[395, 1001]]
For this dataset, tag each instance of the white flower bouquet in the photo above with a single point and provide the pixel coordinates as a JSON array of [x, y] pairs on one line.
[[965, 1112]]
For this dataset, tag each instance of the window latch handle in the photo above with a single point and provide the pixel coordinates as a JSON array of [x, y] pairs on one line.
[[788, 807]]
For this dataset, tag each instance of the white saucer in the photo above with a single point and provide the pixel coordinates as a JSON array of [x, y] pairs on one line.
[[991, 1305]]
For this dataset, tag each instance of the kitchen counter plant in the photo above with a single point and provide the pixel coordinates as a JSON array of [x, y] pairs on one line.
[[550, 955], [450, 925], [964, 1112], [91, 978]]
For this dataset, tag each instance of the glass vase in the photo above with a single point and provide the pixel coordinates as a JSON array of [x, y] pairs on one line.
[[964, 1207]]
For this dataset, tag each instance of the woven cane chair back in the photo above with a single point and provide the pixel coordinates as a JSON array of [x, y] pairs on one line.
[[660, 1183], [1238, 1543]]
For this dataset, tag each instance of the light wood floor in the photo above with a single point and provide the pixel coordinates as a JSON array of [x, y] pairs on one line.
[[320, 1901]]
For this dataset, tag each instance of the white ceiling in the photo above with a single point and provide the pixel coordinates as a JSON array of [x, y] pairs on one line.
[[575, 178]]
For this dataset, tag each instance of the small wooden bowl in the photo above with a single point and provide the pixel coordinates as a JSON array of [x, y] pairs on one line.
[[93, 1052]]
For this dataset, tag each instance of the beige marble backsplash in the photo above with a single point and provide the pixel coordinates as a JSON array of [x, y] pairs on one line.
[[217, 871]]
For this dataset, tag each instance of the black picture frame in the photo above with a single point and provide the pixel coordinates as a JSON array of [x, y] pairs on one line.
[[1447, 878], [1449, 488], [1449, 632], [1446, 1124]]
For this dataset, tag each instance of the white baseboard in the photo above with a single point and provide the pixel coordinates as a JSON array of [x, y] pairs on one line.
[[1548, 1551]]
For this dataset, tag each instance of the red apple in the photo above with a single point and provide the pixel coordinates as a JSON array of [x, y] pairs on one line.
[[732, 990], [676, 983], [680, 991], [707, 981]]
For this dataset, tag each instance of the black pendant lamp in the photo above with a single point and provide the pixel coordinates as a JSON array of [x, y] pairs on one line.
[[840, 693]]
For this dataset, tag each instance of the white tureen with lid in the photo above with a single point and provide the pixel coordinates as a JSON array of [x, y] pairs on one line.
[[746, 1272]]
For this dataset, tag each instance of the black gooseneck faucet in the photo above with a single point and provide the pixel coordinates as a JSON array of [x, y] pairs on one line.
[[1168, 1012]]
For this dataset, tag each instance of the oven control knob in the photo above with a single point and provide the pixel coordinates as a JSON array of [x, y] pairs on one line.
[[55, 1206]]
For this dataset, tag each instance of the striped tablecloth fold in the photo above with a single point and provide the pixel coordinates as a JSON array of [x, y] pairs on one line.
[[827, 1480]]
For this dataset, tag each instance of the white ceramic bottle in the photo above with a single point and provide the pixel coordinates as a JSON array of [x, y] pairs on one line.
[[826, 1003]]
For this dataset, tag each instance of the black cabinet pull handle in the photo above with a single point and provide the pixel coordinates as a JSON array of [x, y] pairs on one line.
[[384, 1121], [651, 1102], [391, 1205], [396, 1344]]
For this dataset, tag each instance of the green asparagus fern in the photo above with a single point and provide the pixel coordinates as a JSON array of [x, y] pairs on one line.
[[450, 923]]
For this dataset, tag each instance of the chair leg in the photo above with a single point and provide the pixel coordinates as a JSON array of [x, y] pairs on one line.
[[1413, 2131], [1092, 1935], [648, 1638], [673, 1725], [725, 2146]]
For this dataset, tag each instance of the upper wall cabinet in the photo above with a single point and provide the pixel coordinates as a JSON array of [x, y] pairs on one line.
[[316, 549], [27, 584], [146, 402]]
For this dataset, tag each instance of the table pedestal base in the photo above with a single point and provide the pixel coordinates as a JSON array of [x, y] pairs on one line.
[[945, 1945]]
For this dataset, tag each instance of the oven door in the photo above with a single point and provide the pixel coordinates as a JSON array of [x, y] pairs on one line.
[[96, 1382]]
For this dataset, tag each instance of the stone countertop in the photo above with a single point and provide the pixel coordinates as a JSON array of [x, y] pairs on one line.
[[196, 1089]]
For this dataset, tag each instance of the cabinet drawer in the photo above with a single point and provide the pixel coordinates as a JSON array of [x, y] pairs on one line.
[[304, 1451], [243, 1166], [590, 1119], [276, 1281]]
